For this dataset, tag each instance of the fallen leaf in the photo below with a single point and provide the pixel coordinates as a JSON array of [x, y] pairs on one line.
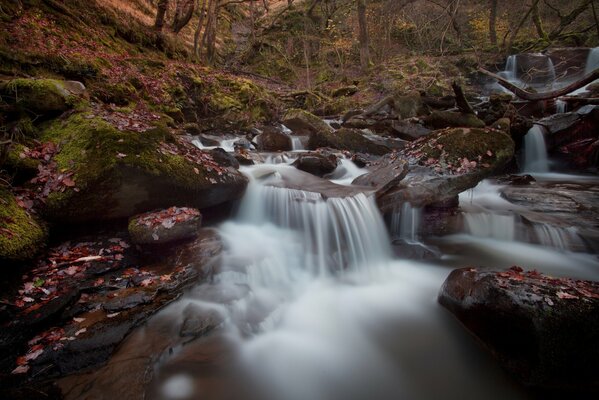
[[80, 331], [78, 320], [564, 295], [112, 315], [21, 369]]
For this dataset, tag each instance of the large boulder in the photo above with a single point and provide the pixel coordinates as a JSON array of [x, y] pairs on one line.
[[446, 163], [41, 95], [346, 139], [316, 163], [384, 174], [273, 140], [304, 123], [170, 225], [543, 330], [116, 174], [21, 235], [451, 119]]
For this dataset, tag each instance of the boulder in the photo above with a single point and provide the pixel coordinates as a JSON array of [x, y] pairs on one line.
[[21, 235], [170, 225], [316, 164], [41, 95], [118, 174], [446, 163], [345, 91], [209, 140], [543, 330], [222, 157], [273, 140], [345, 139], [386, 173], [408, 130], [304, 123], [445, 119]]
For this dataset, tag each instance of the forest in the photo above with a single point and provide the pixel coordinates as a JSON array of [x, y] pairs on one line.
[[299, 199]]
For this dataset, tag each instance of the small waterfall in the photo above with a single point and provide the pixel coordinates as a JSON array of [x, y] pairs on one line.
[[535, 150], [337, 233], [592, 61], [561, 106], [405, 222], [494, 226], [559, 238], [346, 172], [296, 143], [511, 68]]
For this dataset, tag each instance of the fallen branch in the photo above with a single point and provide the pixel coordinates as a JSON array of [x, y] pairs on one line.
[[523, 94], [460, 100]]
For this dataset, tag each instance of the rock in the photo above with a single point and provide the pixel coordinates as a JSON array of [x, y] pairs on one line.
[[569, 62], [244, 159], [446, 163], [41, 95], [445, 119], [198, 321], [273, 140], [21, 236], [566, 128], [345, 139], [209, 140], [223, 158], [408, 130], [350, 114], [409, 106], [385, 173], [543, 330], [534, 68], [165, 226], [316, 164], [119, 174], [502, 124], [361, 160], [242, 144], [345, 91], [304, 123]]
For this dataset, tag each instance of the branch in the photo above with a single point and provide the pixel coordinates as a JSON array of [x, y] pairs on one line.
[[523, 94], [460, 99]]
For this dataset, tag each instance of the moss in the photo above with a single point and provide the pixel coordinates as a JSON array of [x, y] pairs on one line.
[[38, 95], [21, 236], [17, 161]]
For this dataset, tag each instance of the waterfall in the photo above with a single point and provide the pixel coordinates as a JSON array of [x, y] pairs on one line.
[[561, 106], [296, 143], [535, 150], [489, 225], [592, 61], [511, 68], [338, 233], [405, 222], [559, 238]]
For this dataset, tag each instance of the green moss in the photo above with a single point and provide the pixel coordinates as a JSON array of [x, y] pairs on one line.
[[41, 95], [16, 160], [21, 236]]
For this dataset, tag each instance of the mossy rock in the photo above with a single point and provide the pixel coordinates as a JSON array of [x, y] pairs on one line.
[[302, 122], [119, 174], [345, 91], [346, 139], [450, 119], [21, 235], [165, 226], [41, 95], [19, 163]]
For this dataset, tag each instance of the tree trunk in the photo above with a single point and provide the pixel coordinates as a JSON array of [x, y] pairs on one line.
[[363, 36], [514, 33], [453, 15], [160, 13], [536, 19], [196, 36], [183, 13], [493, 23]]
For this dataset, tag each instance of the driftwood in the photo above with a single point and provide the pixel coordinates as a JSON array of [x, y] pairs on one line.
[[523, 94], [460, 100]]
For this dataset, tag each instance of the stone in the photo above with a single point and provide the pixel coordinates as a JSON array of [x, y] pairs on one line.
[[41, 95], [118, 174], [345, 91], [345, 139], [408, 130], [273, 140], [445, 119], [384, 174], [316, 164], [304, 123], [199, 321], [541, 329], [159, 227]]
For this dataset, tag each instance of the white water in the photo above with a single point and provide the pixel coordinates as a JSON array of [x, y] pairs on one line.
[[405, 223], [346, 172], [535, 150], [225, 144], [592, 61], [560, 106]]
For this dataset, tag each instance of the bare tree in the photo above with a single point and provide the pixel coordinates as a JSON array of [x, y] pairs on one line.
[[160, 14], [493, 22], [183, 12], [363, 36]]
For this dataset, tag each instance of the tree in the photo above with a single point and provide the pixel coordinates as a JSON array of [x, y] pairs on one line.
[[363, 36], [183, 12], [160, 14], [493, 23]]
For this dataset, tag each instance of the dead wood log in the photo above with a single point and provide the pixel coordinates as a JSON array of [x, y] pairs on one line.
[[523, 94], [460, 100]]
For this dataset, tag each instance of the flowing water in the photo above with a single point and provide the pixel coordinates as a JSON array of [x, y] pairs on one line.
[[535, 150]]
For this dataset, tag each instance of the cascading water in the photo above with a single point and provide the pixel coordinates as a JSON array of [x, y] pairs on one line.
[[535, 150], [592, 61], [405, 223]]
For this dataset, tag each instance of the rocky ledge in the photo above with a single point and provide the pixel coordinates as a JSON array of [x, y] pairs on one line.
[[543, 330]]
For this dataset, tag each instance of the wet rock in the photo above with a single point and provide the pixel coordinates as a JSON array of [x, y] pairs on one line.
[[209, 140], [244, 158], [223, 158], [22, 236], [41, 95], [446, 163], [304, 123], [543, 330], [408, 130], [445, 119], [566, 128], [273, 140], [158, 227], [316, 164], [569, 62], [385, 173], [361, 160], [414, 251], [345, 91], [128, 300], [119, 174], [502, 124], [199, 321], [346, 139], [519, 180]]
